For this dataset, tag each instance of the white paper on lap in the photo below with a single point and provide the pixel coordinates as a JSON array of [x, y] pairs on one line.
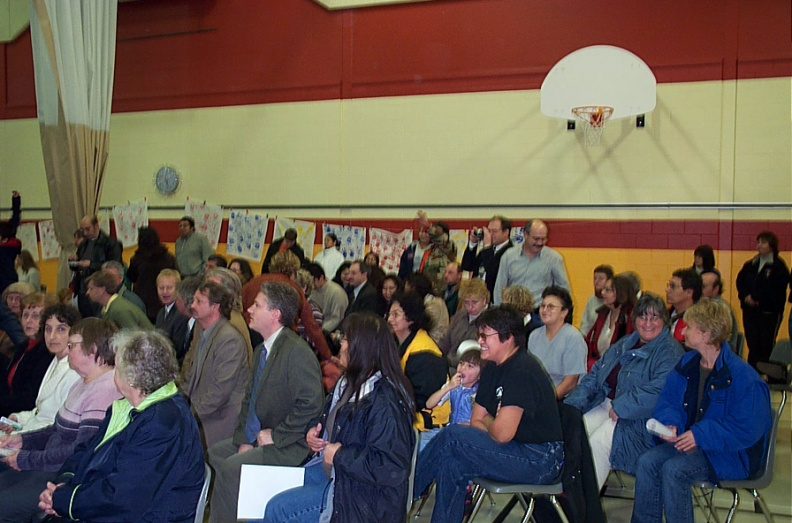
[[259, 483]]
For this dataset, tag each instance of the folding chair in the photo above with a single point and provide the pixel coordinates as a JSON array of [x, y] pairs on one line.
[[199, 511], [762, 480], [525, 494]]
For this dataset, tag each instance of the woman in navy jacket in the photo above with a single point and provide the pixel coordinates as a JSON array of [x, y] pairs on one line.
[[761, 287], [718, 411], [362, 464], [146, 461]]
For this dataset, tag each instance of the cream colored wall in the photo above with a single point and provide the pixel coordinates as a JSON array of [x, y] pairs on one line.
[[705, 142]]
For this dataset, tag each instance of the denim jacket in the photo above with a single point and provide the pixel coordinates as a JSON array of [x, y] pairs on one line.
[[641, 378], [736, 419]]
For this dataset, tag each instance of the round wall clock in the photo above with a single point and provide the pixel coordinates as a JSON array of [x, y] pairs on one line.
[[167, 180]]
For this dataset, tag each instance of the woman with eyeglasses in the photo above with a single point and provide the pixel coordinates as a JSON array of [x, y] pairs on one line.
[[619, 394], [613, 317], [515, 432], [558, 345], [421, 361], [37, 456]]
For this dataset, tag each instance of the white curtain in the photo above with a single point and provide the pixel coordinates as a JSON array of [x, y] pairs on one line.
[[74, 60]]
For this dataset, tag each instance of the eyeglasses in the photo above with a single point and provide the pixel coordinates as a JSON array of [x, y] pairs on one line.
[[648, 317], [395, 313], [73, 344], [607, 289], [673, 285], [539, 239], [550, 306], [484, 335]]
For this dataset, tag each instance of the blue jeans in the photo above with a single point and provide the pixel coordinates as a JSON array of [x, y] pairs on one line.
[[301, 504], [663, 482], [460, 453]]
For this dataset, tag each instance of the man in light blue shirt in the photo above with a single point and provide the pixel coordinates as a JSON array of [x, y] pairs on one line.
[[535, 266]]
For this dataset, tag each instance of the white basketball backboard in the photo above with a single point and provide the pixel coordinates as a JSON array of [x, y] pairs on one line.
[[600, 75]]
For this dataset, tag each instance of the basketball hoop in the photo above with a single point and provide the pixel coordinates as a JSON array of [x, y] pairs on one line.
[[593, 118]]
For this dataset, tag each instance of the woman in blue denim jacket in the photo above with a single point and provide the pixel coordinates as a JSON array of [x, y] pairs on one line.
[[618, 395], [718, 411]]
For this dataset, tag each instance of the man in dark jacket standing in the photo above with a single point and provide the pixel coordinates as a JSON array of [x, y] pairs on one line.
[[486, 262], [288, 242], [95, 249]]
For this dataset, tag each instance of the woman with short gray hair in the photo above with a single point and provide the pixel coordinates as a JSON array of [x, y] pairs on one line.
[[618, 395], [148, 447]]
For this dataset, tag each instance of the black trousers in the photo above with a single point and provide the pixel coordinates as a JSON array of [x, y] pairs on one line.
[[761, 329]]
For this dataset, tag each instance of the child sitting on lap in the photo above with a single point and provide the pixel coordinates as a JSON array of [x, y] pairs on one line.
[[461, 389]]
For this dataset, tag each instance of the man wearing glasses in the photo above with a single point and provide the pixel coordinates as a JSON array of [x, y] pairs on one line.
[[496, 242], [535, 266]]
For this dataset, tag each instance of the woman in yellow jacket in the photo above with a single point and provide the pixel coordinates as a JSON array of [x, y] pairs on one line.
[[421, 360]]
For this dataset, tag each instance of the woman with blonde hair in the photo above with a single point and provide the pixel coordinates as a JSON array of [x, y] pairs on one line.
[[521, 299], [475, 297]]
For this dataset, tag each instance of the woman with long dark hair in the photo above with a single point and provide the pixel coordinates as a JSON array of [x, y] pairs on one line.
[[613, 317], [27, 270], [365, 453], [149, 259]]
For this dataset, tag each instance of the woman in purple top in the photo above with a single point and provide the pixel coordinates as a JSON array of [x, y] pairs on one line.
[[34, 458]]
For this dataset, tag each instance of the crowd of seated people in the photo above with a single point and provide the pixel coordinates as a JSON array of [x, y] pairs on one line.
[[228, 372]]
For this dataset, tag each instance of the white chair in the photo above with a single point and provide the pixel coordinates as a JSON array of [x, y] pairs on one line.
[[199, 510]]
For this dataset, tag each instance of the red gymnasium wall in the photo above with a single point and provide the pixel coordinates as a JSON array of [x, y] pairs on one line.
[[632, 234], [199, 53]]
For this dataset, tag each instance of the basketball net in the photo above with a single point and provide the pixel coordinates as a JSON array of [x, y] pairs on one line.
[[593, 118]]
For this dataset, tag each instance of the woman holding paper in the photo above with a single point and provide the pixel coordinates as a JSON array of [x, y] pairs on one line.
[[362, 464], [145, 463], [718, 411]]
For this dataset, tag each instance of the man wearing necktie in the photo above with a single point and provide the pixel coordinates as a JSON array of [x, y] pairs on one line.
[[283, 396]]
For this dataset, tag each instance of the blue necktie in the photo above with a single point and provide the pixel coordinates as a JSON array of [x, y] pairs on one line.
[[252, 424]]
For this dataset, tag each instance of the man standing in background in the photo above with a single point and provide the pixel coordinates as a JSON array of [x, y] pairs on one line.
[[192, 249]]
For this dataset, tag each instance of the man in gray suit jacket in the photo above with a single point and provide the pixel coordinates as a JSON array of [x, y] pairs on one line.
[[215, 383], [284, 395]]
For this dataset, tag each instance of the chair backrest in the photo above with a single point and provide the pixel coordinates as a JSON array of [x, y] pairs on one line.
[[412, 471], [782, 352], [739, 344], [765, 474], [199, 510]]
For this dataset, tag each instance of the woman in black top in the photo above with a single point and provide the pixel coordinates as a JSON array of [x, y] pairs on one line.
[[515, 432], [761, 287]]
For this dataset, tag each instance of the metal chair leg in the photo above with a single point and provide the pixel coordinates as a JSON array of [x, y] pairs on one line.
[[478, 498], [424, 500], [559, 509], [489, 495], [529, 511], [704, 499], [761, 506], [734, 506]]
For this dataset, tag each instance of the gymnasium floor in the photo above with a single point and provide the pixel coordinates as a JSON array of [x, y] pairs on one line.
[[778, 495]]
